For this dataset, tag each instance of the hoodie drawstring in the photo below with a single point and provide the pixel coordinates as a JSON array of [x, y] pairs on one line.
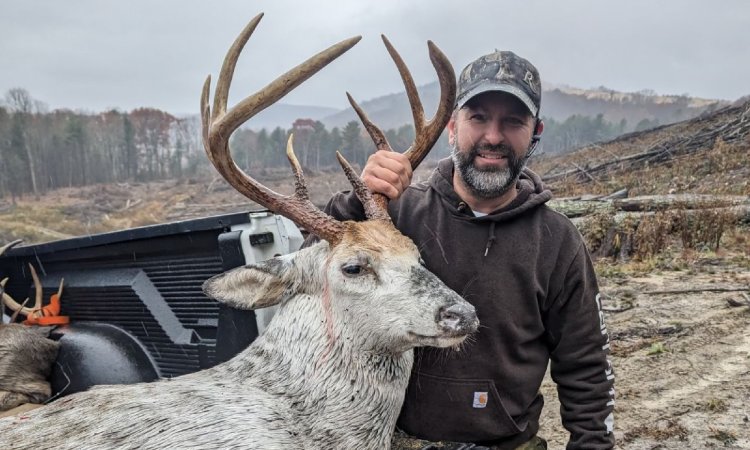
[[490, 238]]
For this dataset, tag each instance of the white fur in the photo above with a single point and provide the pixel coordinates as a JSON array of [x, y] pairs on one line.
[[324, 375]]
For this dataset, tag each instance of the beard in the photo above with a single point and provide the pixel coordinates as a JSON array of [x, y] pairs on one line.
[[489, 182]]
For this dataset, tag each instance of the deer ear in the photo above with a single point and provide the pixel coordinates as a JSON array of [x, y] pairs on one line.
[[251, 287]]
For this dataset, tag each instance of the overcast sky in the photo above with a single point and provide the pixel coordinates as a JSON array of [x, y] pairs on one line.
[[96, 54]]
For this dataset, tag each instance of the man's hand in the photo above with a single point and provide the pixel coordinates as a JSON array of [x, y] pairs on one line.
[[388, 173]]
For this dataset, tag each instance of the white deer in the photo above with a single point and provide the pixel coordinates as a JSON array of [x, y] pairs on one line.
[[331, 369]]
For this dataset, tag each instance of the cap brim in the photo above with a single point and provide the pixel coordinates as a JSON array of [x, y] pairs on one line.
[[494, 87]]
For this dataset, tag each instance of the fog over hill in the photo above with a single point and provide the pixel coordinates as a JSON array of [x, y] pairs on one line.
[[559, 102]]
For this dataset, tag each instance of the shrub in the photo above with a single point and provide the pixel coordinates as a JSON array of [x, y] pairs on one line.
[[703, 228], [652, 234]]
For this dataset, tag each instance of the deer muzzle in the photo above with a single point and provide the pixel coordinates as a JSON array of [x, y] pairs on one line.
[[458, 319]]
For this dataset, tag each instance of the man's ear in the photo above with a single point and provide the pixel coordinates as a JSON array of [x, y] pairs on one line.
[[539, 127], [451, 127], [256, 286]]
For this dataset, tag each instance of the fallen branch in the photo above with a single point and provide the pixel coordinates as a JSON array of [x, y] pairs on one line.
[[699, 289], [129, 204], [585, 172], [576, 208], [579, 216], [618, 309], [681, 201]]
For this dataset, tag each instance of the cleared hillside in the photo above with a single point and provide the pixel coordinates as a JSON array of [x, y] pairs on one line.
[[678, 308], [704, 155]]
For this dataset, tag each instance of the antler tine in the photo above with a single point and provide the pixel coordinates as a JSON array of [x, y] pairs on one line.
[[221, 95], [12, 304], [427, 133], [20, 310], [300, 187], [219, 124], [37, 288], [286, 83], [377, 135], [224, 122], [373, 210], [417, 111], [434, 128], [9, 245]]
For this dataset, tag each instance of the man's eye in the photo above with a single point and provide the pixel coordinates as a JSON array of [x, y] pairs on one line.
[[351, 269]]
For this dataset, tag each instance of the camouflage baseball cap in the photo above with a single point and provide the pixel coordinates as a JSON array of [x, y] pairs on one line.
[[501, 71]]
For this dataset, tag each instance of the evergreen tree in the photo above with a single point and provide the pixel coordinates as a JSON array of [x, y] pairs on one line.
[[353, 147]]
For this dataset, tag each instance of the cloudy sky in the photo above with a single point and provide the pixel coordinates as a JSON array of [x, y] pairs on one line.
[[97, 54]]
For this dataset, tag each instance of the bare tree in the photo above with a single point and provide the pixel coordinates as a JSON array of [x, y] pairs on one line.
[[21, 104]]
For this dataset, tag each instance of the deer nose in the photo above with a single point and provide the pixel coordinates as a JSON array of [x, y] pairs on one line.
[[458, 318]]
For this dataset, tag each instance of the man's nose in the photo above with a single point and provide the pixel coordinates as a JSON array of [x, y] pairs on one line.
[[493, 134]]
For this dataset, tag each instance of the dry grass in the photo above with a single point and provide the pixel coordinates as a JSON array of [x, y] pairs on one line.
[[667, 429], [651, 235], [704, 228], [109, 207], [721, 169]]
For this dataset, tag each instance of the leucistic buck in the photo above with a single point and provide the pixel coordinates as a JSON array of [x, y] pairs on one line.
[[331, 369]]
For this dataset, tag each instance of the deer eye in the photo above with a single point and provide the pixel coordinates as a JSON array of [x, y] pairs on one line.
[[352, 270]]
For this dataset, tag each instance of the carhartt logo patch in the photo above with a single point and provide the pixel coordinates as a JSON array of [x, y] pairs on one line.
[[480, 400]]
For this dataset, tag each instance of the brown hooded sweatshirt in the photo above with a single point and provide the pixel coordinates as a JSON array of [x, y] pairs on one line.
[[527, 272]]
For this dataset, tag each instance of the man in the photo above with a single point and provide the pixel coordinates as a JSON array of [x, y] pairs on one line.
[[482, 226]]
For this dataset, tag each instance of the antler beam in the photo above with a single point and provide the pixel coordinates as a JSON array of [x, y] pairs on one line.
[[219, 124]]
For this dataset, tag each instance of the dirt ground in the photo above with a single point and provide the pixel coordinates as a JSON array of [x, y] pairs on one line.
[[681, 359]]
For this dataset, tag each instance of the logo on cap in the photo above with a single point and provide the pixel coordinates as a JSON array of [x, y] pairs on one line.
[[529, 79]]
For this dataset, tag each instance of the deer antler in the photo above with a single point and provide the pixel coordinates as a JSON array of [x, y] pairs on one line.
[[427, 132], [9, 245], [219, 124], [7, 300], [21, 308]]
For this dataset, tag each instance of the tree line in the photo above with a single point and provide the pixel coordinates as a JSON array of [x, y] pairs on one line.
[[42, 150]]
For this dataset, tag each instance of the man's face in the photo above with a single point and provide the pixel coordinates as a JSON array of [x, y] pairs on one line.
[[490, 137]]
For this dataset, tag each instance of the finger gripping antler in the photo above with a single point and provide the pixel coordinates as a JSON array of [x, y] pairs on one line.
[[427, 132], [219, 124]]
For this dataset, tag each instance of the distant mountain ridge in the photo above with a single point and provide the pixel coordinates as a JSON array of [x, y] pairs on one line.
[[558, 102]]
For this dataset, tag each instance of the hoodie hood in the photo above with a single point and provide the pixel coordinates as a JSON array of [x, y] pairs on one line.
[[531, 193]]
